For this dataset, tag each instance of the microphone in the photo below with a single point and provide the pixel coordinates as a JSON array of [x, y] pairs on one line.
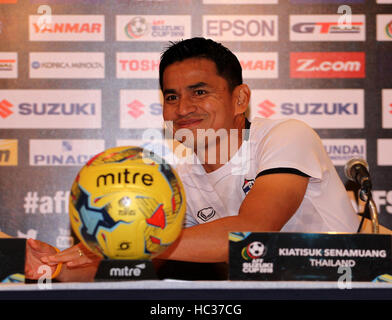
[[357, 170]]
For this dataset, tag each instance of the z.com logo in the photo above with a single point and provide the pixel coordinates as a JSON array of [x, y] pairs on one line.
[[254, 250], [327, 64]]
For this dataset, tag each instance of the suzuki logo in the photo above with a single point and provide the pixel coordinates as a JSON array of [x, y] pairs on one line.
[[5, 108], [266, 108], [135, 109]]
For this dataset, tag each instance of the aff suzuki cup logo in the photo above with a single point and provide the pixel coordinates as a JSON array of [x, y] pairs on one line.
[[254, 254], [254, 250], [136, 28]]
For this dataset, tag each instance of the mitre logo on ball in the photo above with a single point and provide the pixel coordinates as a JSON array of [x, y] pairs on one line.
[[127, 203]]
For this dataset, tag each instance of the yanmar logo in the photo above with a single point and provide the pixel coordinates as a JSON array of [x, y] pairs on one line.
[[327, 64], [67, 28], [258, 65]]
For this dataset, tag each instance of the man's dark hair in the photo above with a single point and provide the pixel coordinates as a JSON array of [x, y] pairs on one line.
[[227, 64]]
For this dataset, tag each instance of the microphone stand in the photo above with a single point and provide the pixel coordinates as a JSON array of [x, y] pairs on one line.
[[366, 195]]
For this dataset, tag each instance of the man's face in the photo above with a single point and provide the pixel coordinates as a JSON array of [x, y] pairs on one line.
[[196, 97]]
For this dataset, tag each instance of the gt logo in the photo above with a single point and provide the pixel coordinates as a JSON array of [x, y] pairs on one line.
[[206, 214]]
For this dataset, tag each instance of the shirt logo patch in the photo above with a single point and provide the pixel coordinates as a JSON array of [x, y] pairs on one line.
[[248, 184], [206, 214]]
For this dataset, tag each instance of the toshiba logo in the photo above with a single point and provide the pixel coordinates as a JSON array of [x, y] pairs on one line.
[[137, 65], [327, 64]]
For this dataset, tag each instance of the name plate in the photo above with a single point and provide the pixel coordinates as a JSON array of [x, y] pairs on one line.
[[12, 260], [125, 270], [309, 256]]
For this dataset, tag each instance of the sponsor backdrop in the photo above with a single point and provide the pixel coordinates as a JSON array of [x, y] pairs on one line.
[[78, 77]]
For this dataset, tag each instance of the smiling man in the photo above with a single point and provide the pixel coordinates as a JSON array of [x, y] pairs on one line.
[[284, 180], [275, 174]]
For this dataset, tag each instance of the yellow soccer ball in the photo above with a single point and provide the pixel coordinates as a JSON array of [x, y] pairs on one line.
[[127, 203]]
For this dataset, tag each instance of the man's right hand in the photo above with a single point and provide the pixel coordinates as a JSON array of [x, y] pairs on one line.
[[79, 263]]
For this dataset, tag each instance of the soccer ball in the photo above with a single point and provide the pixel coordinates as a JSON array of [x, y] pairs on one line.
[[136, 28], [255, 249], [127, 203]]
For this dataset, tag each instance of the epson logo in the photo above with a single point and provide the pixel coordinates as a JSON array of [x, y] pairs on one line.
[[239, 28], [56, 109], [127, 272], [288, 108], [242, 28]]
